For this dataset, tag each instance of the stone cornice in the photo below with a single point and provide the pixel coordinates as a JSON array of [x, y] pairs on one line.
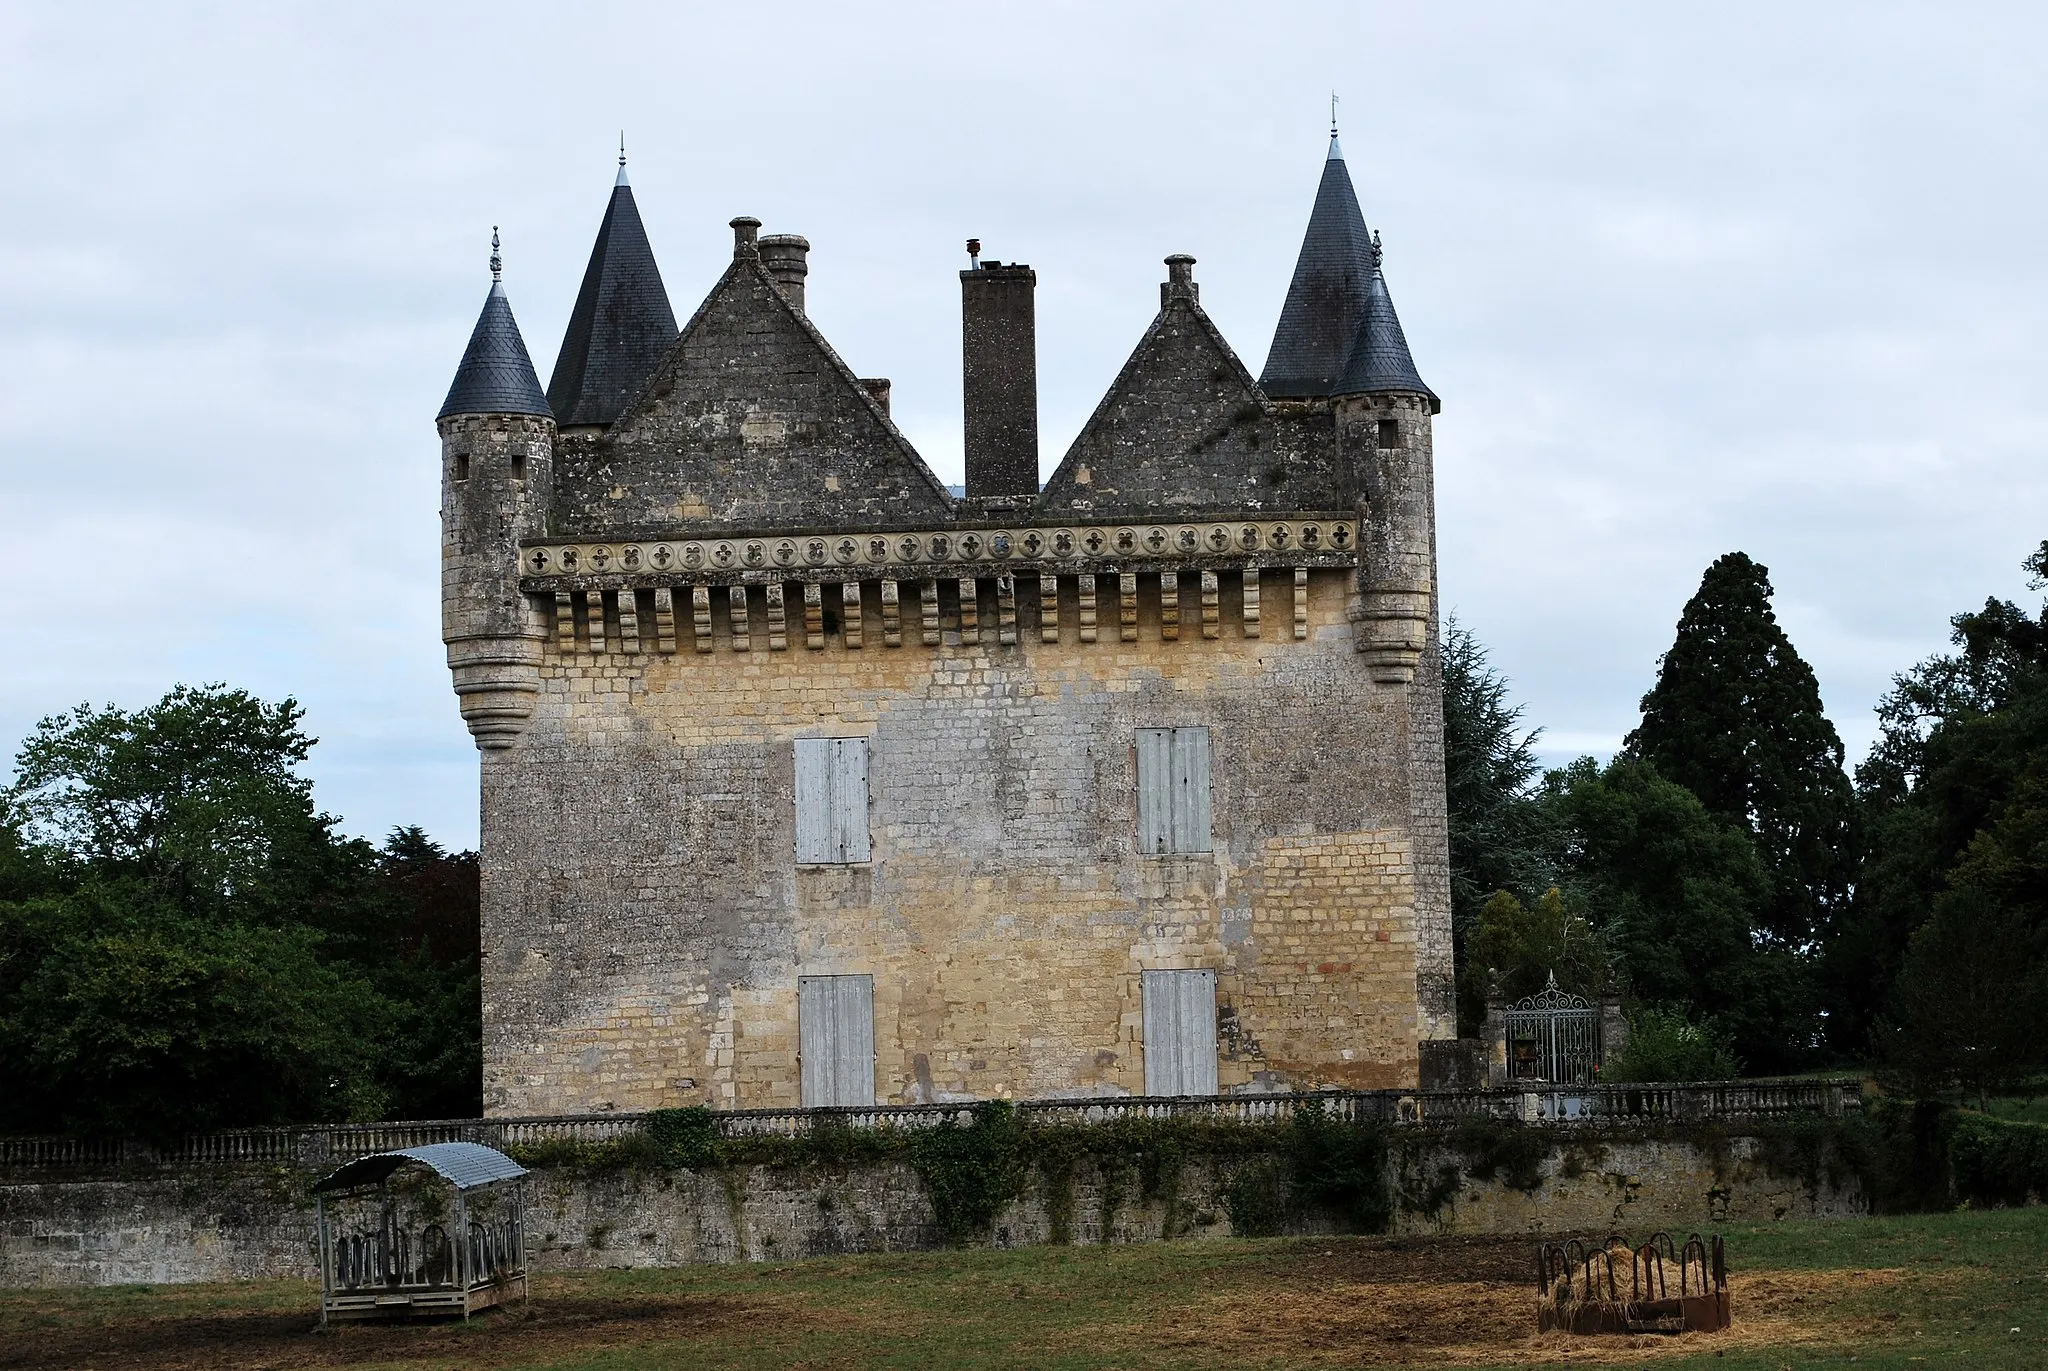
[[1301, 540]]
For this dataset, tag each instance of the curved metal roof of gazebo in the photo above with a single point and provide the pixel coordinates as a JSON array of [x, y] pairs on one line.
[[465, 1165]]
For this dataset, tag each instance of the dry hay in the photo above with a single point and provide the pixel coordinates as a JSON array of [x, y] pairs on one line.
[[1348, 1321]]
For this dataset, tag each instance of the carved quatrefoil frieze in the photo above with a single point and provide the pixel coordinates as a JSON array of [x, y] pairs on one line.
[[1319, 540]]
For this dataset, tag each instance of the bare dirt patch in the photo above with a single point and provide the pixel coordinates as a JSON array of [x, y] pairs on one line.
[[1383, 1305], [284, 1341]]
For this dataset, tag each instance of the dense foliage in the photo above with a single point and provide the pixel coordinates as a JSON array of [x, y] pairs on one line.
[[1500, 841], [1740, 890], [1735, 717], [1944, 959], [186, 942]]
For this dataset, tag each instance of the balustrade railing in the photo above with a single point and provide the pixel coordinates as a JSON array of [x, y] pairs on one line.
[[332, 1144]]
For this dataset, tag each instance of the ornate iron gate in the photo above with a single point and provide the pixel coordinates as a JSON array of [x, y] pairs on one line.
[[1553, 1036]]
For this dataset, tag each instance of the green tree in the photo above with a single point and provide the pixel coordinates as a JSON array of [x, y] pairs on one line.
[[1501, 839], [1681, 896], [1665, 1044], [1515, 949], [1941, 962], [1735, 717], [186, 942]]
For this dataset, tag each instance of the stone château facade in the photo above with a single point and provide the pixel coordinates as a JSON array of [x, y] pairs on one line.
[[805, 781]]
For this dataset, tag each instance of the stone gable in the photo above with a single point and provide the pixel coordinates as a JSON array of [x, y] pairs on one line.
[[1184, 427], [752, 420]]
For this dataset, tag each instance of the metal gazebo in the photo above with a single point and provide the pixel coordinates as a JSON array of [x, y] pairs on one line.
[[397, 1264]]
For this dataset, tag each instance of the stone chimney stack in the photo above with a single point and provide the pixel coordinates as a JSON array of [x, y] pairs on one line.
[[999, 352], [786, 257]]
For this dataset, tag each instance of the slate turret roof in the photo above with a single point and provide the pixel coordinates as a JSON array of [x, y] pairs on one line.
[[622, 325], [1326, 300], [1379, 353], [496, 376]]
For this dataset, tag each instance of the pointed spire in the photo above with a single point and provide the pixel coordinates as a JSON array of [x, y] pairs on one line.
[[1380, 360], [496, 376], [622, 325], [1326, 298]]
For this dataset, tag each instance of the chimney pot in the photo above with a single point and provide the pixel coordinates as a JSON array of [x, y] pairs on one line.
[[878, 387], [1180, 279], [745, 230], [786, 256]]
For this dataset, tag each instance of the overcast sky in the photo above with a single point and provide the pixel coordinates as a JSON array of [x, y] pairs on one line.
[[1688, 279]]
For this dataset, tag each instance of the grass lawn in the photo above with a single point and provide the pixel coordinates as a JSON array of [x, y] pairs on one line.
[[1943, 1290]]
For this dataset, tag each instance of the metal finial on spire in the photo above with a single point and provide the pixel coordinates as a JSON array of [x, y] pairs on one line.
[[622, 147], [1333, 114], [1377, 251], [497, 262]]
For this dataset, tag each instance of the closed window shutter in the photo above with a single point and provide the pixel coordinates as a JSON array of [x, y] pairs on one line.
[[1180, 1032], [850, 799], [1197, 994], [836, 1039], [814, 766], [1191, 790], [1155, 791], [1162, 1034]]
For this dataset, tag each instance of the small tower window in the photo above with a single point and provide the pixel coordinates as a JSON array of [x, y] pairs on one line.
[[462, 466], [1390, 433], [518, 466]]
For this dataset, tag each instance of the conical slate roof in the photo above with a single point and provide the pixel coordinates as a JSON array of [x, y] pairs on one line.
[[496, 375], [1326, 300], [1379, 353], [622, 325]]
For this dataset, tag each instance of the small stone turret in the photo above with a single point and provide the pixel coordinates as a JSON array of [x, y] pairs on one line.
[[497, 474], [1383, 421]]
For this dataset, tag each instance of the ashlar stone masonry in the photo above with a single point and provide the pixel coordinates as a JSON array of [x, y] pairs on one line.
[[806, 781]]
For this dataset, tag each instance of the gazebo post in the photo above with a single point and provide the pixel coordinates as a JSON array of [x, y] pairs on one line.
[[462, 1262], [320, 1248]]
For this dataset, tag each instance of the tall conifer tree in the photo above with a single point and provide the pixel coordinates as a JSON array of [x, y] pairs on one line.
[[1735, 717]]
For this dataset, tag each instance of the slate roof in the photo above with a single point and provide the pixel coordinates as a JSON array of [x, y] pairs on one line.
[[622, 325], [496, 375], [1326, 299], [1379, 352], [466, 1165]]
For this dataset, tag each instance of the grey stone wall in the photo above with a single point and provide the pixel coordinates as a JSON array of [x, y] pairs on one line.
[[207, 1224]]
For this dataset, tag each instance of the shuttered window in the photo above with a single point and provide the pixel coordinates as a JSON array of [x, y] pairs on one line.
[[1173, 790], [836, 1039], [1180, 1032], [831, 799]]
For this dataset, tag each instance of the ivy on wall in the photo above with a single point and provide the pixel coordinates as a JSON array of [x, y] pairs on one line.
[[1903, 1156]]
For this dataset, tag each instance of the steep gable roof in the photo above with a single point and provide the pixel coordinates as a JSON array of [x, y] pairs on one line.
[[495, 375], [1185, 428], [1326, 299], [751, 420], [622, 325]]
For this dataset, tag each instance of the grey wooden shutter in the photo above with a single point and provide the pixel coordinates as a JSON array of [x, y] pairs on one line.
[[1191, 790], [850, 799], [836, 1039], [1155, 791], [1180, 1032], [814, 768]]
